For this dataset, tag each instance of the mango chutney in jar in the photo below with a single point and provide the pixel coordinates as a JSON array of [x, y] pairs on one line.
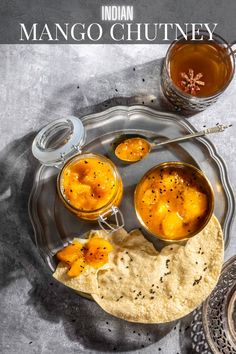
[[174, 201], [89, 185]]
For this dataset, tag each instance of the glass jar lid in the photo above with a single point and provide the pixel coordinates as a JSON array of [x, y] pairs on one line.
[[59, 140]]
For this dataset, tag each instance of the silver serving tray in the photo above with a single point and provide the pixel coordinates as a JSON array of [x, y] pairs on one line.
[[54, 225]]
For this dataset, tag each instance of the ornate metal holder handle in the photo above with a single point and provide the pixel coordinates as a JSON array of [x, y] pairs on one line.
[[118, 216], [233, 47]]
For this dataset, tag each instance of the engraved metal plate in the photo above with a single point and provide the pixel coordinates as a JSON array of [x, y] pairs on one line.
[[54, 225]]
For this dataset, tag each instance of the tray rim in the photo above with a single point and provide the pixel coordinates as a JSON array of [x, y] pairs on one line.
[[181, 121]]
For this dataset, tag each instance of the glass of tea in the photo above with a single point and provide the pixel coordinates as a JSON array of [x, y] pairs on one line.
[[196, 73]]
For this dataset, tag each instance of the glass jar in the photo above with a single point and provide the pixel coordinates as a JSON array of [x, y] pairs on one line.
[[88, 184]]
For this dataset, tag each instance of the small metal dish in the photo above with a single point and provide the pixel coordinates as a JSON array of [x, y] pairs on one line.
[[213, 328], [202, 181]]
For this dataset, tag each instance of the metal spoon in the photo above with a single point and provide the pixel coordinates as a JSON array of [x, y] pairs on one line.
[[145, 145]]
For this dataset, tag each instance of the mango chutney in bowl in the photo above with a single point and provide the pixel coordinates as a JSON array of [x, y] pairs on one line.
[[90, 185], [174, 201]]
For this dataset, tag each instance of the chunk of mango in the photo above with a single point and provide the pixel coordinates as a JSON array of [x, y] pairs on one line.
[[172, 225], [195, 204], [150, 196], [97, 250], [76, 268], [70, 253]]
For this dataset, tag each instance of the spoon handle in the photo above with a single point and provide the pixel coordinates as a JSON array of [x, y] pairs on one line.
[[216, 129]]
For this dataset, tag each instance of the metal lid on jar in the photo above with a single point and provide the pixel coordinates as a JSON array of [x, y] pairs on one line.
[[59, 140]]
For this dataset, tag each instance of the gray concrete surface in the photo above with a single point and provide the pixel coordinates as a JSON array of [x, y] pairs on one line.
[[38, 84]]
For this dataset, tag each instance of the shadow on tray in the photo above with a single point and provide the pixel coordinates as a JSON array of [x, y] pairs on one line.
[[84, 322]]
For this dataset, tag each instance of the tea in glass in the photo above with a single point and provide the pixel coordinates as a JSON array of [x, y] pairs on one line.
[[196, 73]]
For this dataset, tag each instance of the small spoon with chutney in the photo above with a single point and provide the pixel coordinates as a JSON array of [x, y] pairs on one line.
[[134, 148]]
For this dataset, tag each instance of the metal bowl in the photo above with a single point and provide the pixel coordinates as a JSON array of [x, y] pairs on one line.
[[202, 180]]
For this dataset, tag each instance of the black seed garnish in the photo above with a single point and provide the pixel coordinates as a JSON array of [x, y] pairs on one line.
[[161, 279], [139, 334], [197, 281], [109, 329], [204, 269], [85, 161], [143, 80]]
